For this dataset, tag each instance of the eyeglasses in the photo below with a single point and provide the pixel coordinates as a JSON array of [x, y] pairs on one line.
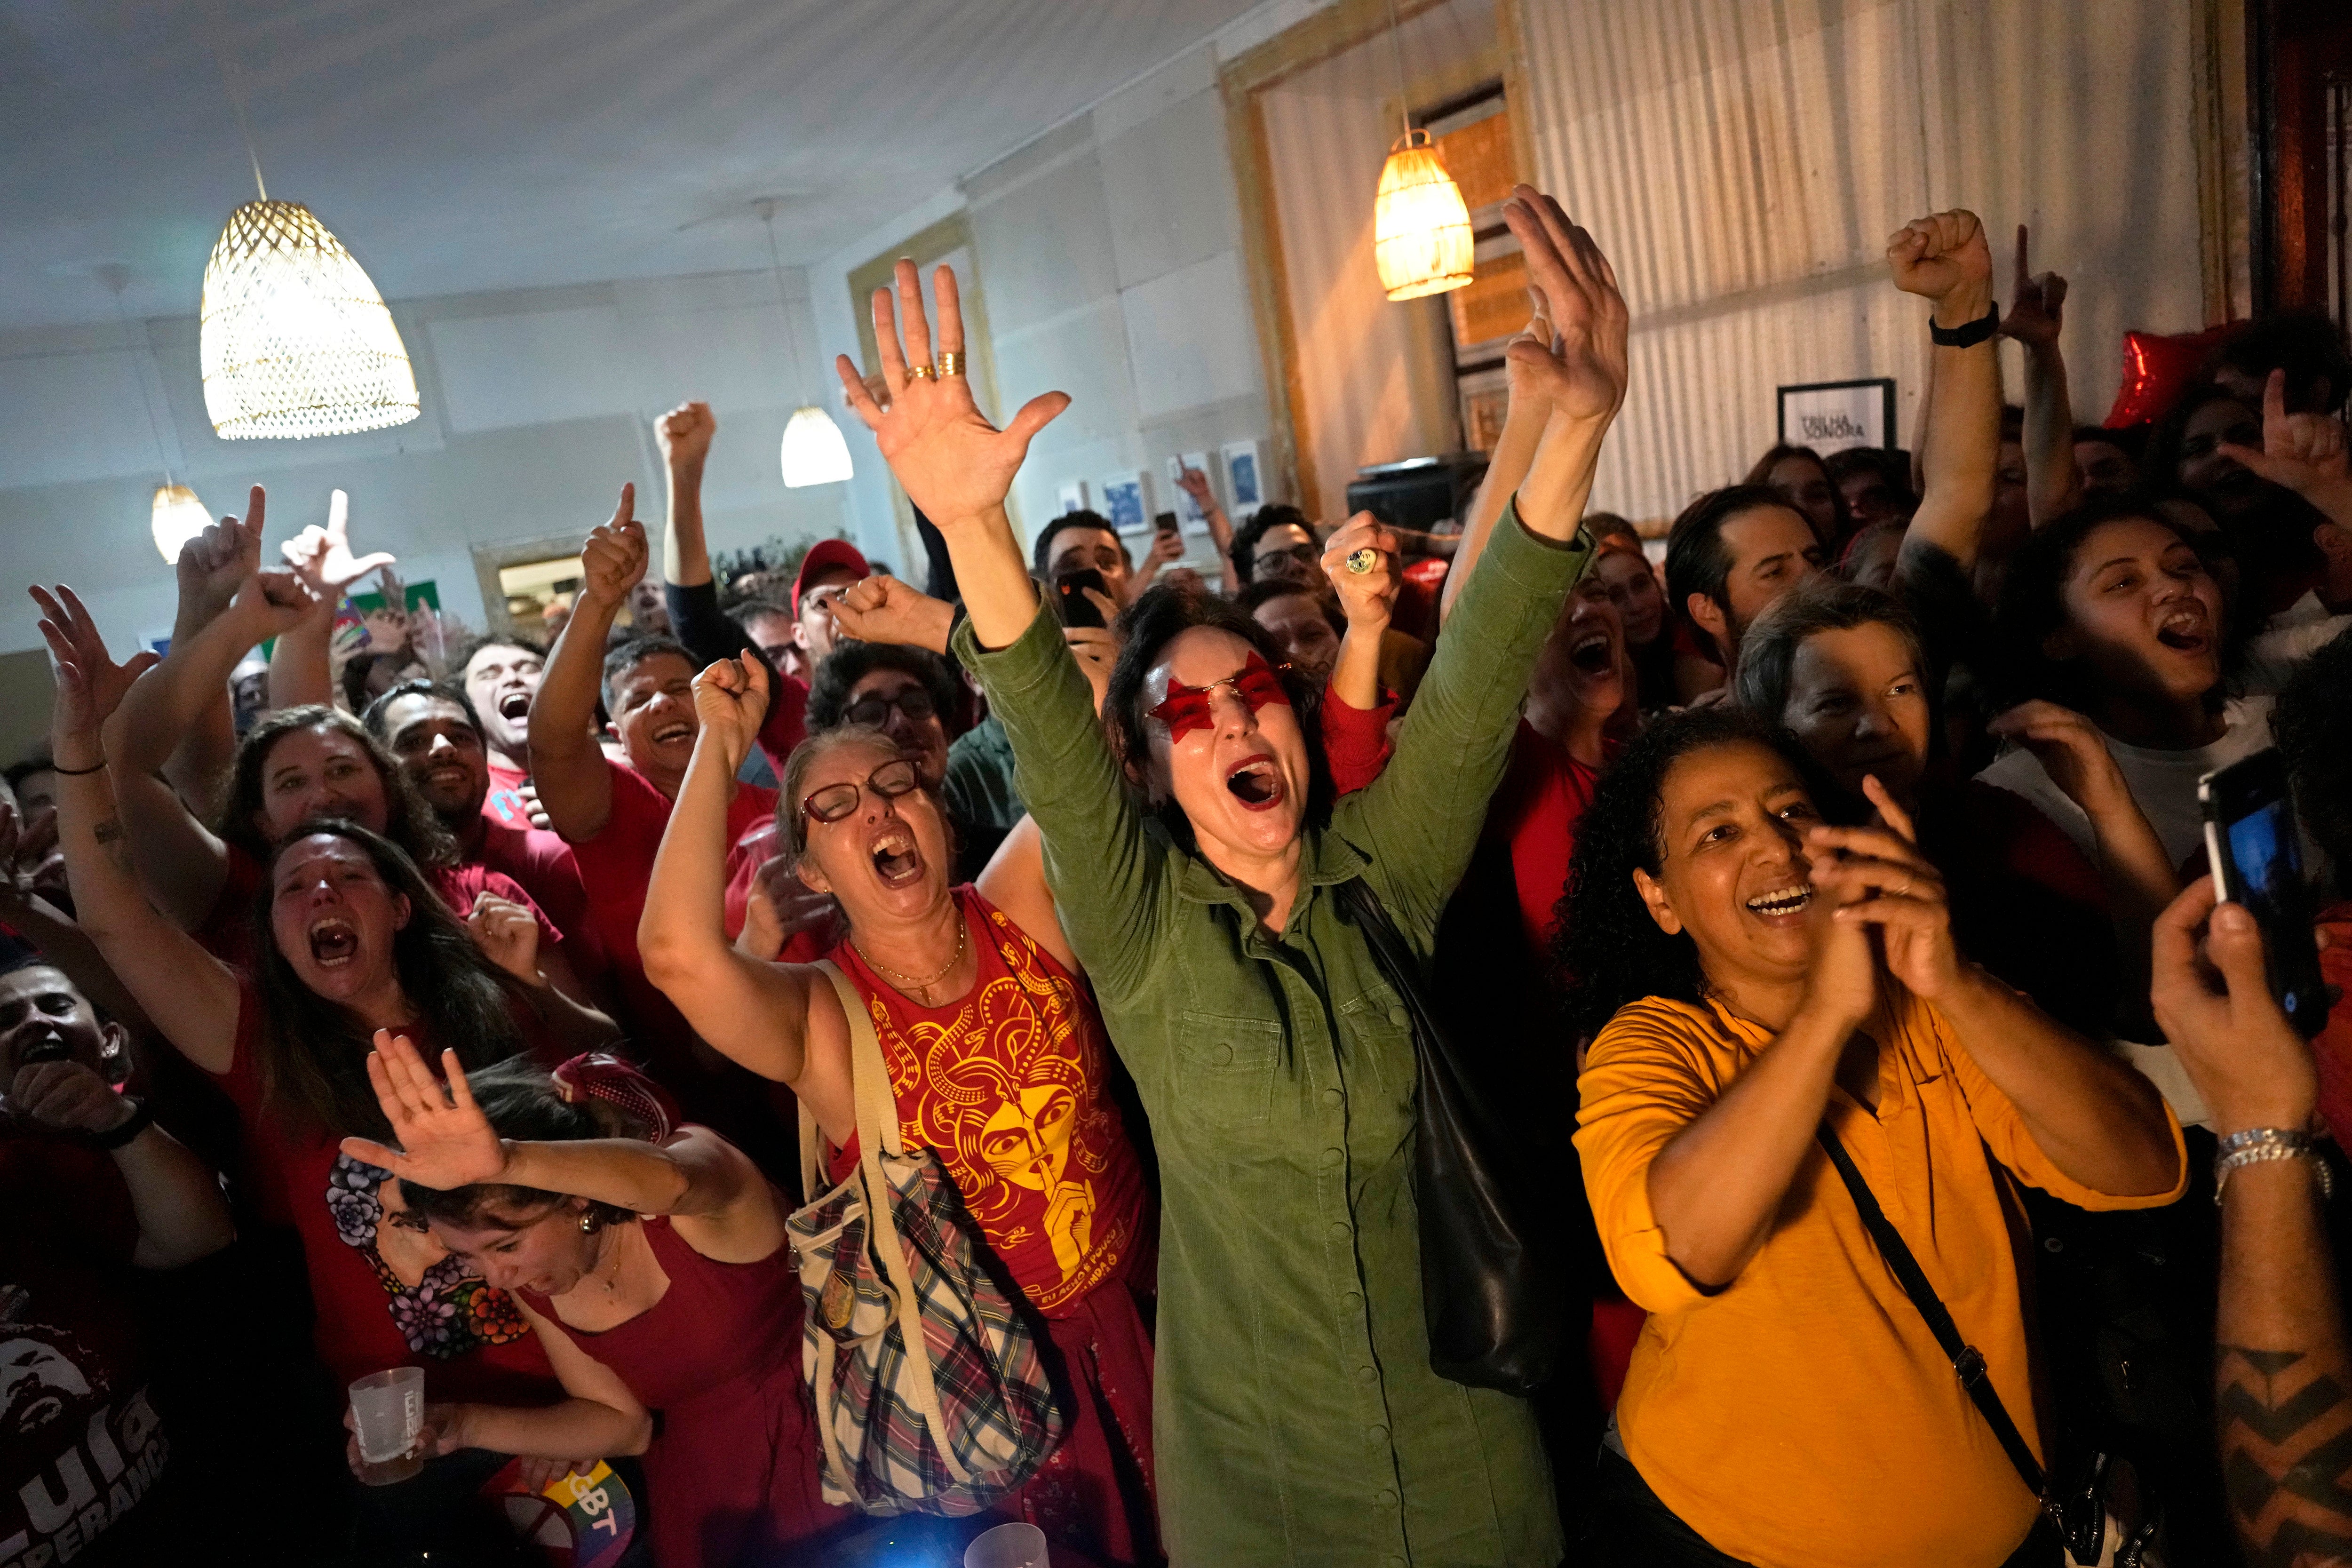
[[1187, 708], [1297, 555], [914, 703], [836, 801]]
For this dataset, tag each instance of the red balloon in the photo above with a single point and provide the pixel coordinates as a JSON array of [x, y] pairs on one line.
[[2156, 369]]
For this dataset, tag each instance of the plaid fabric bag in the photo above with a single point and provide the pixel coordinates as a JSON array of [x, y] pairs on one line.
[[887, 1259]]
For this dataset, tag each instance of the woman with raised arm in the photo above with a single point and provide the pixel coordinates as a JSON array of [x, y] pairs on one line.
[[350, 937], [997, 1061], [1299, 1420], [652, 1262], [1770, 996]]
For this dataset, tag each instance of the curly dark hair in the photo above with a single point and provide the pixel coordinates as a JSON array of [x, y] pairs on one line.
[[313, 1052], [407, 820], [1157, 617], [1609, 952], [851, 662], [2312, 725], [1245, 537], [521, 1101]]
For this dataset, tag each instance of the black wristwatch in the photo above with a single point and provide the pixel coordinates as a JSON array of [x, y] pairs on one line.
[[141, 1120], [1970, 335]]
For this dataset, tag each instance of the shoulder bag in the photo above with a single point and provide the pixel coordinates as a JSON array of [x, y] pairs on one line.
[[931, 1395]]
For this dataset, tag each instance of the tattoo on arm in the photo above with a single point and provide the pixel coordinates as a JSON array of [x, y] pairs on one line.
[[2287, 1457]]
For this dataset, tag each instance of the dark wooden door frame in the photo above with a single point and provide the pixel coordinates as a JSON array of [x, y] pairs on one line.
[[2294, 49]]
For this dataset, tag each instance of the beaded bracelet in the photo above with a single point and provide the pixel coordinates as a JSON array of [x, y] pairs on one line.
[[2255, 1145]]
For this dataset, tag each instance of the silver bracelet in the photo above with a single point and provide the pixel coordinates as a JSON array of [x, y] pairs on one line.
[[2255, 1145]]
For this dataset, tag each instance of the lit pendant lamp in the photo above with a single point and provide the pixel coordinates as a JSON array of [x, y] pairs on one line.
[[1422, 238], [175, 515], [813, 452]]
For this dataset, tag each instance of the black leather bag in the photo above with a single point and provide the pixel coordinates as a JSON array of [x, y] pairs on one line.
[[1492, 1292]]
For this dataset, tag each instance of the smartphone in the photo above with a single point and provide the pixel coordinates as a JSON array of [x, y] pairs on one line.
[[1166, 524], [2254, 846], [1073, 608]]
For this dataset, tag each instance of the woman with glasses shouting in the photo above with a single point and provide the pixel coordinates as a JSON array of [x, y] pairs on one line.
[[998, 1059], [911, 695]]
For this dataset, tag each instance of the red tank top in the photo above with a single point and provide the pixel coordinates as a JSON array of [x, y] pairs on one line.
[[1008, 1085]]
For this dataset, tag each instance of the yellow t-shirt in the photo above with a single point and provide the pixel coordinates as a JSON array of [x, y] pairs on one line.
[[1803, 1417]]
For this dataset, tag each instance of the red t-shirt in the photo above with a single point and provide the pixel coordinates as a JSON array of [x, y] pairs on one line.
[[617, 864], [542, 866], [227, 932], [1536, 808], [2332, 1051], [384, 1296], [786, 725], [80, 1443], [504, 802]]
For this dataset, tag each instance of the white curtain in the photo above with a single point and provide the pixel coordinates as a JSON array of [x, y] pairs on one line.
[[1742, 163]]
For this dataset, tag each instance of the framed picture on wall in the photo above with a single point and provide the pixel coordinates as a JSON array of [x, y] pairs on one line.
[[1245, 480], [1126, 500], [1074, 495], [1830, 416]]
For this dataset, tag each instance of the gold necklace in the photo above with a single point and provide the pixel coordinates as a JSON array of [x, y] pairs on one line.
[[964, 929]]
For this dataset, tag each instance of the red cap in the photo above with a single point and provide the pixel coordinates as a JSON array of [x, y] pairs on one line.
[[825, 555]]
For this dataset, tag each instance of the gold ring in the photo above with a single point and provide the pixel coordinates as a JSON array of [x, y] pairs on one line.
[[1363, 560], [921, 372], [950, 362]]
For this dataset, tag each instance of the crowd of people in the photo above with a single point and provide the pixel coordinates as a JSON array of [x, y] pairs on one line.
[[1023, 1044]]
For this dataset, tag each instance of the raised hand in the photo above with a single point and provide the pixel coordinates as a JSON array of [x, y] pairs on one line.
[[1195, 483], [1527, 374], [613, 559], [1943, 257], [730, 698], [2220, 1019], [321, 556], [2036, 305], [508, 934], [444, 1139], [213, 563], [953, 464], [887, 609], [89, 683], [2071, 751], [66, 1097], [1876, 877], [1580, 370], [1096, 651], [2301, 452], [683, 434], [1367, 598], [273, 603], [781, 907], [30, 860]]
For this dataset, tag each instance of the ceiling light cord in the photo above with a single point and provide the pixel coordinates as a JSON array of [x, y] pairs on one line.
[[237, 107], [767, 210], [117, 278], [1396, 49]]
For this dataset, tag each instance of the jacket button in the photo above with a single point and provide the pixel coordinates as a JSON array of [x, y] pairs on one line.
[[1333, 1156], [1332, 1097], [1222, 1055], [1376, 1434], [1368, 1374], [1386, 1499], [1398, 1016], [1341, 1230]]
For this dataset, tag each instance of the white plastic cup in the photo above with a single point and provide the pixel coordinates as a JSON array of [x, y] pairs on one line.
[[387, 1415], [1007, 1546]]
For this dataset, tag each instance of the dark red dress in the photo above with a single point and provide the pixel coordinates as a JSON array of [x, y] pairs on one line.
[[1009, 1084], [733, 1477]]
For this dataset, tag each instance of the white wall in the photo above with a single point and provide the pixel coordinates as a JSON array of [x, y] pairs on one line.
[[1742, 163], [536, 406]]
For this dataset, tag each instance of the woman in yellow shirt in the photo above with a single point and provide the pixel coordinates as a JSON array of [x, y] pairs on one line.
[[1752, 973]]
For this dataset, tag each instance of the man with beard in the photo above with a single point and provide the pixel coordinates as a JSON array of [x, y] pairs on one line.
[[92, 1192]]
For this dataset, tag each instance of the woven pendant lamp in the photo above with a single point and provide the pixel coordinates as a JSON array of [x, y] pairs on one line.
[[1420, 228], [296, 341]]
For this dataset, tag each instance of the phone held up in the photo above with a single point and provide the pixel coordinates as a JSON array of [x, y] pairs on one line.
[[2254, 846], [1166, 524], [1071, 606]]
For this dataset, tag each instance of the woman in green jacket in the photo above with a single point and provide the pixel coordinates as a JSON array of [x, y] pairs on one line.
[[1296, 1418]]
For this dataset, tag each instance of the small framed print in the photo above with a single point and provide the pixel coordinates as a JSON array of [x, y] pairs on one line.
[[1126, 500], [1074, 495], [1188, 512], [1830, 416], [1244, 479]]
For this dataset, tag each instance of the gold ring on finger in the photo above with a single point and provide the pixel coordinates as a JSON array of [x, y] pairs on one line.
[[1363, 560], [921, 372], [950, 362]]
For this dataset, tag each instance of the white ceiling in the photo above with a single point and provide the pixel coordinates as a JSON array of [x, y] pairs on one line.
[[458, 145]]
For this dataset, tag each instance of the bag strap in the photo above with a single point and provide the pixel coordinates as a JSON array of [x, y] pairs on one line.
[[1967, 1361], [870, 1085]]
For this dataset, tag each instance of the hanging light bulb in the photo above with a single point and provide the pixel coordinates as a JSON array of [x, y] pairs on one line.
[[1420, 228], [814, 453], [179, 517], [296, 341]]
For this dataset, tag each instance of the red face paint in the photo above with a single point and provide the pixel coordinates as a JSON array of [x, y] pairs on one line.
[[1187, 708]]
